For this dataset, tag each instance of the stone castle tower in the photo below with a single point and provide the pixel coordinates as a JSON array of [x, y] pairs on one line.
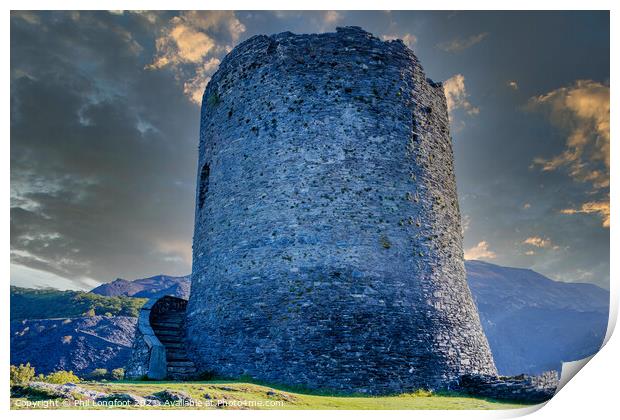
[[327, 245]]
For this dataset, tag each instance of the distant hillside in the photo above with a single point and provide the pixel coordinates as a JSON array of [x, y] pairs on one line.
[[78, 344], [51, 303], [534, 323], [155, 286]]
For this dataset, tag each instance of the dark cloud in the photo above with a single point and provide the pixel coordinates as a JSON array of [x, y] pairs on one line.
[[102, 153]]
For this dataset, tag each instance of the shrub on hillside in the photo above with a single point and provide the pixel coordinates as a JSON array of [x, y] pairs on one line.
[[62, 377], [98, 374], [118, 374], [51, 303], [21, 374]]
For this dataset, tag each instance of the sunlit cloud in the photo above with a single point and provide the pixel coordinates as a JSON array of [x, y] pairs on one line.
[[461, 44], [593, 207], [479, 252], [457, 96], [512, 84], [194, 87], [538, 242], [191, 45], [408, 39], [582, 110], [331, 17]]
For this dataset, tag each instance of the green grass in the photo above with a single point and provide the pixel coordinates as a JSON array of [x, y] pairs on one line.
[[271, 398], [52, 303]]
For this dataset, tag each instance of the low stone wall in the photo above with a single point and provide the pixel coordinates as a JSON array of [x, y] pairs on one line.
[[148, 355], [522, 388]]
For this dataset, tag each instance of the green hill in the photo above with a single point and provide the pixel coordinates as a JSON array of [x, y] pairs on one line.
[[52, 303]]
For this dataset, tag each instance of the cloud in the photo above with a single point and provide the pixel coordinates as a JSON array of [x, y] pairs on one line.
[[593, 207], [331, 17], [28, 16], [465, 223], [102, 161], [512, 84], [175, 250], [538, 242], [527, 206], [182, 44], [457, 96], [409, 39], [195, 87], [582, 111], [530, 252], [193, 43], [461, 44], [480, 251]]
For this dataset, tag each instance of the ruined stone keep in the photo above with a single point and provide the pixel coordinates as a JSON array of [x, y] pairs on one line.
[[327, 249]]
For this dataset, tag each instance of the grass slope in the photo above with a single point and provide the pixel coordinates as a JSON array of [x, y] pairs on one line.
[[243, 395], [51, 303]]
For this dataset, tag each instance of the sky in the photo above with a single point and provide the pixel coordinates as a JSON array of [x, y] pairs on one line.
[[105, 123]]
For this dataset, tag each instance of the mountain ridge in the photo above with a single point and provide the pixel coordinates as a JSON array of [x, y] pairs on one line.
[[532, 323], [154, 286]]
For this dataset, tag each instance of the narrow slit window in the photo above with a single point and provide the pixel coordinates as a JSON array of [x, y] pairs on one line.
[[204, 185]]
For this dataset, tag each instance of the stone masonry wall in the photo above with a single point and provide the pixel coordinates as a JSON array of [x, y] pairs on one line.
[[327, 245]]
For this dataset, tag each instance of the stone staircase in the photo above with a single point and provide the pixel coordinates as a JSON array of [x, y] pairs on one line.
[[168, 324]]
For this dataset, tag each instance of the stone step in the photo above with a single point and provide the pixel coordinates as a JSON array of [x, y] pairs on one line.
[[170, 339], [171, 323], [171, 320], [181, 363], [182, 369], [170, 333], [167, 328], [171, 360], [172, 356], [170, 316], [172, 342]]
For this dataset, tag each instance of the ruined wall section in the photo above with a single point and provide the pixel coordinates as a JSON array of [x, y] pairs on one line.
[[327, 247]]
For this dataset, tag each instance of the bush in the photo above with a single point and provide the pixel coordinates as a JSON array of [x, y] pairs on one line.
[[118, 374], [61, 377], [422, 393], [21, 374], [98, 374]]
